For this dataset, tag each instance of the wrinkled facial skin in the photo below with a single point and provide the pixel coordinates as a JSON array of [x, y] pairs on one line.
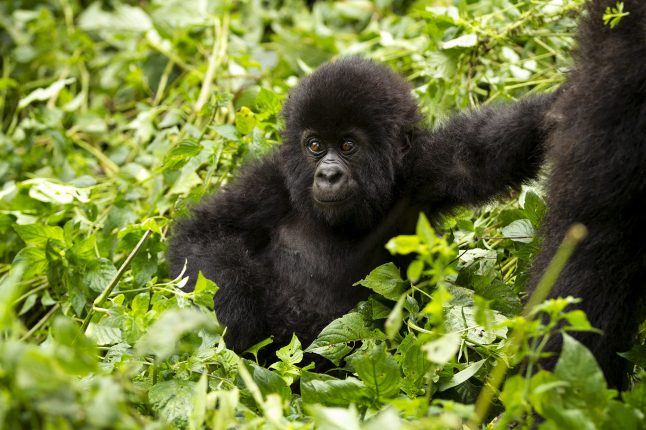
[[333, 183], [344, 144], [339, 176]]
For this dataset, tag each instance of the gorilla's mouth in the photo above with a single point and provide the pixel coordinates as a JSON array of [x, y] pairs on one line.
[[331, 200]]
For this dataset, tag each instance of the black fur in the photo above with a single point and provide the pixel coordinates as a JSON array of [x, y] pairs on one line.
[[284, 262], [598, 151]]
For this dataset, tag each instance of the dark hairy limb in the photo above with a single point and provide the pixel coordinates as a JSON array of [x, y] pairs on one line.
[[223, 238], [476, 155]]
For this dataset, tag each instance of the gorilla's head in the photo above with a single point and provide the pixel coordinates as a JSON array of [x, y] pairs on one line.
[[347, 130]]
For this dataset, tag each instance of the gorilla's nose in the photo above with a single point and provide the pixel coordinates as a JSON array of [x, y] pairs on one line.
[[329, 175]]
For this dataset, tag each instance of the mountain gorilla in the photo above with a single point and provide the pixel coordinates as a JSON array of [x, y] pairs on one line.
[[598, 150], [286, 241]]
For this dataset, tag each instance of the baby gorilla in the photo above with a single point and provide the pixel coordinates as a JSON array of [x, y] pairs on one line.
[[286, 241]]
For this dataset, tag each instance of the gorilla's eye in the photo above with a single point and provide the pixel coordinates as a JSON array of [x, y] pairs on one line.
[[314, 145], [348, 146]]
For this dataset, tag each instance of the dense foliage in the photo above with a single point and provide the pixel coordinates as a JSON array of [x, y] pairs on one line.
[[116, 115]]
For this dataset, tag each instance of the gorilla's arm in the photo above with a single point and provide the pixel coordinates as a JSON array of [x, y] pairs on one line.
[[477, 154], [223, 238]]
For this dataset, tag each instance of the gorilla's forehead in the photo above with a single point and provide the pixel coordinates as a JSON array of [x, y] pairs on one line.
[[341, 107], [351, 93]]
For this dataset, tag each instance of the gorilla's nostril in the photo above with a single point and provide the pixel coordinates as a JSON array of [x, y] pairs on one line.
[[331, 174]]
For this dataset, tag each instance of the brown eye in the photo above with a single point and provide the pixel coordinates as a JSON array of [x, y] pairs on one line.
[[347, 145], [314, 146]]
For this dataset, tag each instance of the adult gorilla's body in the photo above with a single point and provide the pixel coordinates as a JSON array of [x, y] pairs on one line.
[[286, 241], [598, 150]]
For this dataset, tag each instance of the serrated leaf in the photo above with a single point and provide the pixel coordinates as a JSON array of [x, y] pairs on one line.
[[578, 366], [204, 291], [520, 230], [39, 234], [181, 153], [267, 381], [99, 274], [461, 319], [332, 342], [377, 369], [267, 101], [173, 401], [163, 336], [330, 391], [104, 335], [385, 280], [34, 260], [292, 353]]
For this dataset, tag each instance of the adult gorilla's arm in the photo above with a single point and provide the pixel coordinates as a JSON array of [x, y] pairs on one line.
[[477, 154], [223, 237]]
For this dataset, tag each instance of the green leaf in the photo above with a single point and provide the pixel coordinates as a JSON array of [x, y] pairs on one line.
[[164, 336], [520, 230], [330, 391], [33, 259], [76, 352], [39, 234], [577, 366], [333, 341], [377, 369], [267, 381], [172, 401], [404, 245], [534, 208], [140, 304], [442, 350], [41, 94], [385, 280], [268, 102], [327, 418], [99, 274], [462, 375], [245, 120], [461, 319], [292, 353], [104, 335], [199, 404], [182, 153], [204, 291], [394, 321], [123, 18], [636, 355]]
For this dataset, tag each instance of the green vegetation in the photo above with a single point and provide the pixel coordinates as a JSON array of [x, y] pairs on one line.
[[116, 115]]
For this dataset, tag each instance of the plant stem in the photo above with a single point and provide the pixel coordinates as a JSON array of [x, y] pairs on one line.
[[573, 237], [98, 302]]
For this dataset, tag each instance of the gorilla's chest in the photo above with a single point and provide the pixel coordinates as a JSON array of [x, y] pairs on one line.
[[309, 260], [313, 277]]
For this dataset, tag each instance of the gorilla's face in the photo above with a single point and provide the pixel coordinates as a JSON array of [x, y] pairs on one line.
[[332, 157], [345, 139]]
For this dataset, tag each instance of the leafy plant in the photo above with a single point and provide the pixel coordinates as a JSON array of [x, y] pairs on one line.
[[115, 116]]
